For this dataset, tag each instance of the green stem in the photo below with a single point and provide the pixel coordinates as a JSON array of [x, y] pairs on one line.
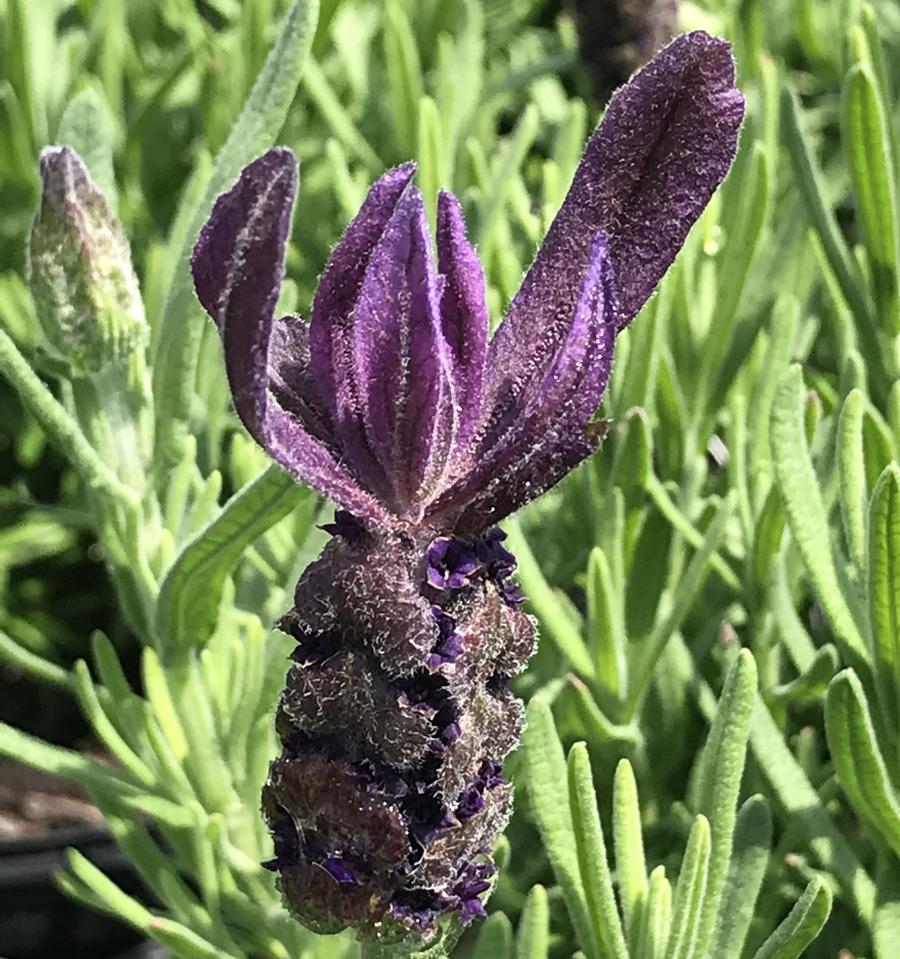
[[61, 429]]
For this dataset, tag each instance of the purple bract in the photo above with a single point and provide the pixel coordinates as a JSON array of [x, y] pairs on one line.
[[392, 400]]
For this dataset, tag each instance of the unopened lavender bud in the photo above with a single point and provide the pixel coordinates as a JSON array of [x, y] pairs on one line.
[[387, 797], [84, 285]]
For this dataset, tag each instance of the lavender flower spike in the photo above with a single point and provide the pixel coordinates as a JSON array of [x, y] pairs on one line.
[[387, 797]]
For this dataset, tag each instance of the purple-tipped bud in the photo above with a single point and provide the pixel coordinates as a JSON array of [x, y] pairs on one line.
[[387, 797], [82, 279]]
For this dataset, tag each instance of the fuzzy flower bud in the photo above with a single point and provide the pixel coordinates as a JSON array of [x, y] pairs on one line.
[[387, 798], [82, 278]]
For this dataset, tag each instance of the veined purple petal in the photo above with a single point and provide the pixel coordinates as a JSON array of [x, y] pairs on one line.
[[331, 327], [464, 315], [665, 144], [238, 265], [548, 437], [401, 363], [291, 379]]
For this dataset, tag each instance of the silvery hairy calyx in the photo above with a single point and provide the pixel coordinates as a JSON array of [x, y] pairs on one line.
[[396, 716]]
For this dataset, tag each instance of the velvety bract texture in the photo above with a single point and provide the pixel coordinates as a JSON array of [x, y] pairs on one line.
[[387, 798]]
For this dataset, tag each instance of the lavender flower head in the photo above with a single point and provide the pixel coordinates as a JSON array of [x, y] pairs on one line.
[[387, 797]]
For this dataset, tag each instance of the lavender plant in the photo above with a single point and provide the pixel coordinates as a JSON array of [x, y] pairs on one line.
[[738, 500], [387, 798]]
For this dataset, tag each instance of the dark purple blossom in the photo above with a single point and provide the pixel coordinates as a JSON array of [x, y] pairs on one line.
[[450, 563], [338, 868], [387, 798], [450, 643]]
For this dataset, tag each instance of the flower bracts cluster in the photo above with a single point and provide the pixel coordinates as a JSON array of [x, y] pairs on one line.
[[387, 798]]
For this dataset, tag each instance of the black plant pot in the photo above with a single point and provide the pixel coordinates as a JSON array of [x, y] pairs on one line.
[[37, 921]]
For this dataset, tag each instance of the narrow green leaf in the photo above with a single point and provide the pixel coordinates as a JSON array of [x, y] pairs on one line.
[[794, 635], [338, 119], [188, 607], [156, 290], [155, 868], [545, 770], [722, 768], [738, 471], [157, 691], [172, 767], [106, 732], [597, 725], [404, 76], [184, 942], [867, 143], [857, 757], [683, 526], [870, 22], [205, 763], [431, 154], [113, 898], [853, 478], [749, 858], [683, 598], [806, 812], [606, 625], [736, 255], [878, 444], [533, 937], [782, 333], [768, 535], [656, 916], [690, 893], [802, 925], [592, 857], [126, 710], [181, 479], [644, 340], [92, 775], [61, 429], [809, 686], [809, 181], [884, 592], [628, 842], [254, 131], [806, 512], [109, 668], [36, 666], [495, 939], [634, 452], [497, 191]]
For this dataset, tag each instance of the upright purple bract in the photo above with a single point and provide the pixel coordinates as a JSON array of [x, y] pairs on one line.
[[387, 798]]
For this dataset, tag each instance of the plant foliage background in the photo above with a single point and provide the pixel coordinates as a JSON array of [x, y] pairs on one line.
[[742, 519]]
